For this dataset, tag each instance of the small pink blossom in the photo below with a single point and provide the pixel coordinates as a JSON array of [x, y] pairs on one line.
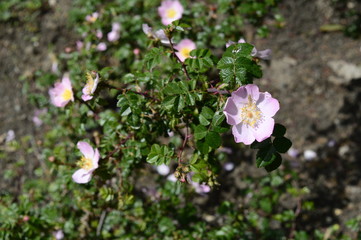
[[92, 17], [184, 48], [115, 33], [136, 51], [250, 113], [264, 54], [88, 163], [59, 235], [37, 116], [99, 34], [170, 11], [90, 86], [79, 45], [101, 47], [200, 188], [62, 93]]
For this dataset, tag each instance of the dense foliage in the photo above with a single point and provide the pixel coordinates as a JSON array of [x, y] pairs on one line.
[[158, 122]]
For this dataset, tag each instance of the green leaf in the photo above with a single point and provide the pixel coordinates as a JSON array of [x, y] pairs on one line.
[[218, 118], [203, 120], [265, 156], [279, 130], [275, 163], [200, 61], [203, 147], [160, 154], [200, 132], [207, 113], [258, 145], [169, 102], [282, 144], [213, 139], [172, 89], [153, 57]]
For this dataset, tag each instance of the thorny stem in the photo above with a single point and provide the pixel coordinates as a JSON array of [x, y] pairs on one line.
[[118, 147], [87, 104], [216, 91], [186, 137], [184, 66], [144, 94]]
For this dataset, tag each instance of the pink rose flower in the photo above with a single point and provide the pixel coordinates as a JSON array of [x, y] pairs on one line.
[[99, 34], [264, 54], [62, 93], [88, 163], [115, 33], [250, 113], [101, 47], [92, 18], [184, 48], [170, 11], [90, 86]]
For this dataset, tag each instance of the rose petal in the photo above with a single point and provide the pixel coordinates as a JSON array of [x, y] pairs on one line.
[[264, 129], [82, 176], [95, 159], [269, 106], [232, 112], [86, 149], [242, 133], [253, 90]]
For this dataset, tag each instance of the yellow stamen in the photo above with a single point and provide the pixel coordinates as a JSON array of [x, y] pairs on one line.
[[85, 163], [67, 95], [171, 13], [250, 113], [185, 52]]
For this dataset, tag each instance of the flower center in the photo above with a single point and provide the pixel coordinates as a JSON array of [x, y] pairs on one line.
[[171, 13], [185, 52], [250, 113], [67, 94], [85, 163]]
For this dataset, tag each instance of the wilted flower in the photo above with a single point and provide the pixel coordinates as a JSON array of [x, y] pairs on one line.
[[184, 48], [115, 33], [88, 163], [264, 54], [101, 47], [62, 93], [170, 11], [92, 18], [250, 112], [158, 35], [90, 86]]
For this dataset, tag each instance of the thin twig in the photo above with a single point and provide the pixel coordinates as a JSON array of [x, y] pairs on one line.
[[144, 94], [216, 91], [101, 222], [183, 146], [87, 104], [118, 147], [184, 66], [297, 212]]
